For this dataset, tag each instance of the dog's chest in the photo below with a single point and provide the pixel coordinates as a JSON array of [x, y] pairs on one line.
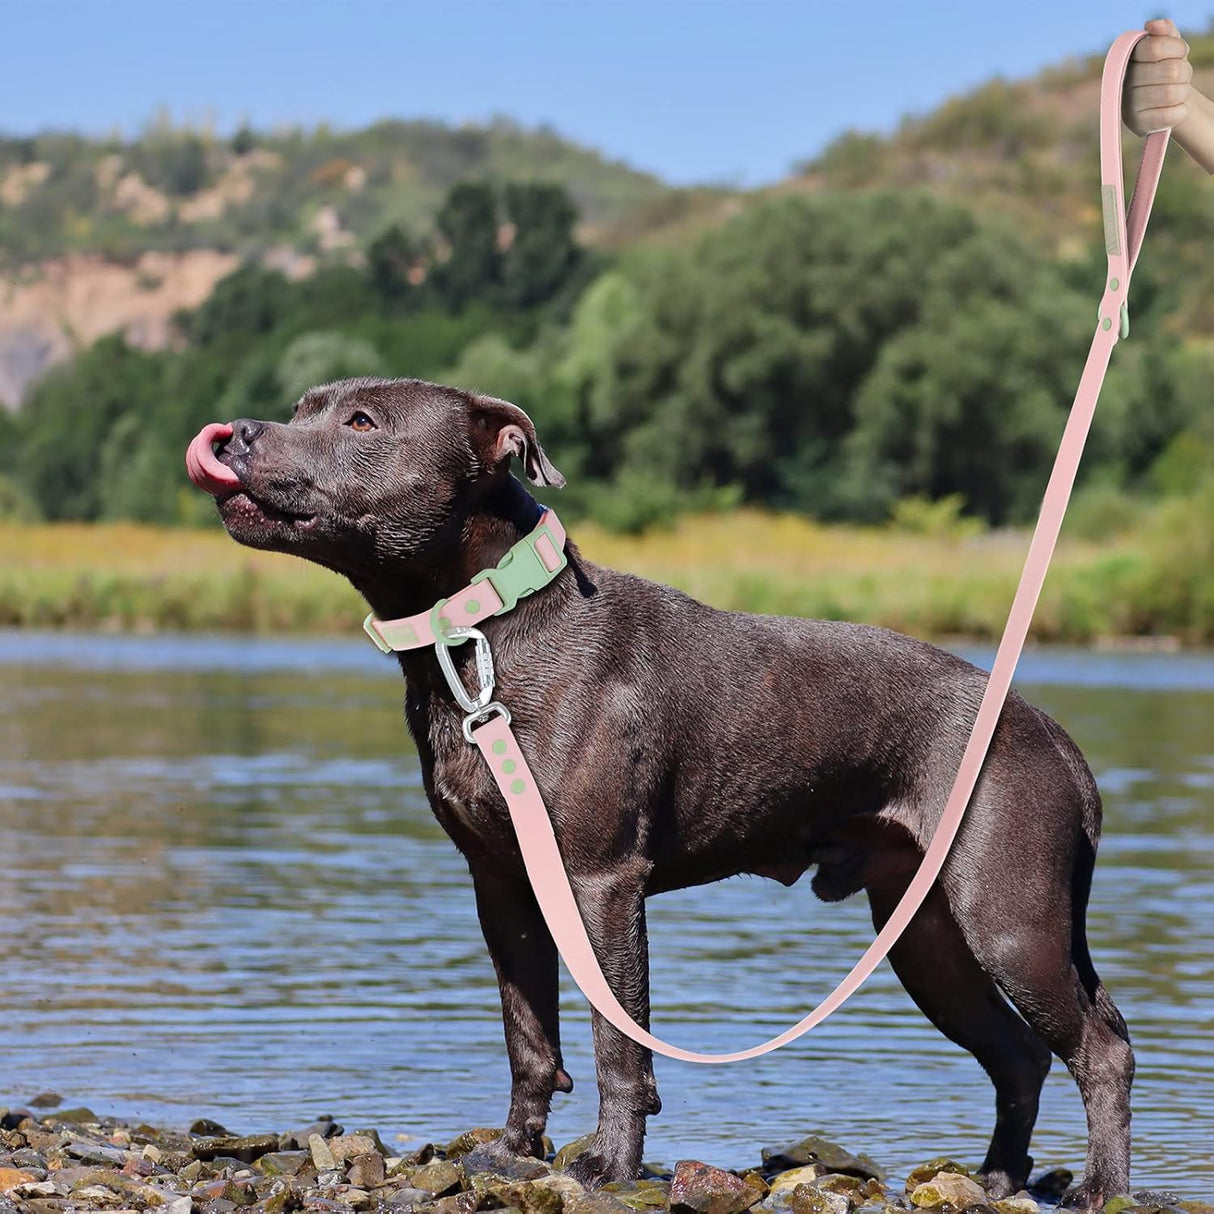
[[464, 798]]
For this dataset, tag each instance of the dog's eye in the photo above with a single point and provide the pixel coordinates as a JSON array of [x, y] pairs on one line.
[[361, 422]]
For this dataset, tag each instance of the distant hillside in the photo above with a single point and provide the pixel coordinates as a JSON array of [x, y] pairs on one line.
[[313, 192], [105, 235], [99, 235]]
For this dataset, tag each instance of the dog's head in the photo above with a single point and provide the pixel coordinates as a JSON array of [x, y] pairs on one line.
[[367, 471]]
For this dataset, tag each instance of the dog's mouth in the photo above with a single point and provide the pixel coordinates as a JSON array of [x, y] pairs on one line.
[[241, 509]]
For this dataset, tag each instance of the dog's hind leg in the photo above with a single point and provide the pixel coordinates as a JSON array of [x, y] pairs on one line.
[[524, 958], [1028, 932], [938, 970]]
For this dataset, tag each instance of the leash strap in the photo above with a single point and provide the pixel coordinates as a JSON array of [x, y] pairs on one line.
[[498, 745]]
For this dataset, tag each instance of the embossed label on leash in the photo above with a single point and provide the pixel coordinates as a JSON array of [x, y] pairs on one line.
[[1108, 199]]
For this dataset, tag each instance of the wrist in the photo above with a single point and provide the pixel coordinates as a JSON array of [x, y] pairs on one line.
[[1196, 133]]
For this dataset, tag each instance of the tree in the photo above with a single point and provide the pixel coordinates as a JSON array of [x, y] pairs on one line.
[[320, 358], [542, 254], [66, 420], [249, 301], [390, 258], [467, 222]]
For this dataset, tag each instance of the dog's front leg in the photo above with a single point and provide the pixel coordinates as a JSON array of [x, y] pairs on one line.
[[525, 960], [612, 903]]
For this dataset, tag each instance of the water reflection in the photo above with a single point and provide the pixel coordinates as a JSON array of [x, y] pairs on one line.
[[223, 893]]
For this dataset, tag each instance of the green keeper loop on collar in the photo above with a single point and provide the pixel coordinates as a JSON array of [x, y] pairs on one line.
[[521, 571]]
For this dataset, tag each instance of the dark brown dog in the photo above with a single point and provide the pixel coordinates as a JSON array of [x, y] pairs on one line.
[[677, 745]]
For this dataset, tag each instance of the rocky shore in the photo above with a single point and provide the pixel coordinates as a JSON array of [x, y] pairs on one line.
[[72, 1160]]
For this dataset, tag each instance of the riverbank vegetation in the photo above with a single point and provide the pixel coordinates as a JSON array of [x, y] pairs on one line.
[[930, 573]]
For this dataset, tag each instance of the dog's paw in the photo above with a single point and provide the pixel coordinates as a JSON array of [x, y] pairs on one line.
[[508, 1155], [592, 1169], [1002, 1181], [1083, 1197]]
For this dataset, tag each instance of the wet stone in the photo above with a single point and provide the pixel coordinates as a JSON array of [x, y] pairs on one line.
[[440, 1177], [81, 1116], [366, 1171], [928, 1171], [1016, 1205], [1052, 1184], [641, 1195], [829, 1156], [528, 1196], [699, 1188], [594, 1203], [244, 1148], [407, 1198], [783, 1183], [459, 1203], [283, 1163], [511, 1167], [207, 1128], [322, 1157], [326, 1127], [12, 1178], [92, 1152], [1157, 1198], [348, 1146], [27, 1157], [808, 1199], [46, 1100], [469, 1140], [951, 1189], [571, 1150]]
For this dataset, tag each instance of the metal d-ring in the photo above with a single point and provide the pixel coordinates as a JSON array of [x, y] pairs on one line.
[[490, 709]]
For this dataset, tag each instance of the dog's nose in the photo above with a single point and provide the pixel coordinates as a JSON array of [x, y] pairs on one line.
[[244, 431]]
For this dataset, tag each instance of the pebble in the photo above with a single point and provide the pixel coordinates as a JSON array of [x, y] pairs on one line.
[[829, 1156], [50, 1165], [349, 1146], [783, 1183], [440, 1177], [322, 1157], [951, 1189], [367, 1170], [93, 1152], [699, 1188], [12, 1178]]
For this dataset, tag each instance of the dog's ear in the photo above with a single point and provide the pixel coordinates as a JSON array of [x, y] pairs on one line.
[[500, 430]]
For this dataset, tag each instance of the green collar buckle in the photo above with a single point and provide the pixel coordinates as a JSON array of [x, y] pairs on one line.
[[522, 571]]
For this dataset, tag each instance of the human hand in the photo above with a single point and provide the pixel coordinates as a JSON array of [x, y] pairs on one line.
[[1157, 92]]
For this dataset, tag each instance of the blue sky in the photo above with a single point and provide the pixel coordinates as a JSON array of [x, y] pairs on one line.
[[695, 90]]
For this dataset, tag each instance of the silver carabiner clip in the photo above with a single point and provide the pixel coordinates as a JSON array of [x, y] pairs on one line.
[[484, 668]]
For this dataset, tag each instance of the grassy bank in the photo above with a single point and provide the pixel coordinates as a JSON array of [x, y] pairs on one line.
[[1156, 581]]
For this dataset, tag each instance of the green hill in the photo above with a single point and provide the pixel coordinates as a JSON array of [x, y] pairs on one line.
[[311, 192]]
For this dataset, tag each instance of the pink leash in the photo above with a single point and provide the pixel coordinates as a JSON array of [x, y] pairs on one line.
[[498, 745]]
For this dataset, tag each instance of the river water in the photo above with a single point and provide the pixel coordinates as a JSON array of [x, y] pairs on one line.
[[222, 894]]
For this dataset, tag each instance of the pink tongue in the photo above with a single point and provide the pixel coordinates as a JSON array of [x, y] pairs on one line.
[[200, 462]]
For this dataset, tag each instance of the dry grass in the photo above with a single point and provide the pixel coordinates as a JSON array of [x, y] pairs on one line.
[[124, 576]]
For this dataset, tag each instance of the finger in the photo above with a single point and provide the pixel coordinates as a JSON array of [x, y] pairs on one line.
[[1166, 71], [1157, 26], [1151, 50], [1157, 97], [1161, 119]]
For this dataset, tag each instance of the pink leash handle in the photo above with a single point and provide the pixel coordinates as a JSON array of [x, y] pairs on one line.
[[497, 743]]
